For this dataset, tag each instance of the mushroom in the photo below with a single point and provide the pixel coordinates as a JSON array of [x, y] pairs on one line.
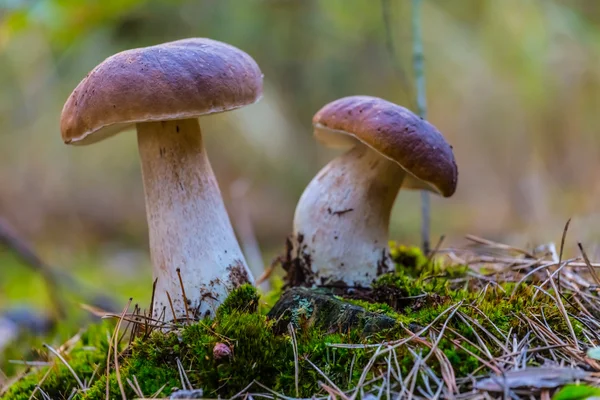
[[341, 222], [162, 90]]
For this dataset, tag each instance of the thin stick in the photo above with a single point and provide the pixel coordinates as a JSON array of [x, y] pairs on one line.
[[418, 68], [171, 305], [589, 265], [152, 298], [562, 248], [185, 303]]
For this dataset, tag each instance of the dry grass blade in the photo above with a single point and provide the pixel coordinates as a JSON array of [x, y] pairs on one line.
[[589, 265], [45, 395], [276, 394], [137, 384], [527, 275], [292, 332], [563, 311], [39, 384], [562, 248], [436, 249], [185, 299], [71, 370], [159, 391], [185, 382], [482, 346], [412, 375], [29, 363], [115, 347], [135, 389], [95, 311], [497, 245], [151, 313], [363, 376], [333, 385], [445, 365], [333, 392], [171, 305], [243, 391], [441, 334], [484, 330]]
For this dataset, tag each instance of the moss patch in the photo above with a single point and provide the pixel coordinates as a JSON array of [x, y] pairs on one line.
[[478, 318]]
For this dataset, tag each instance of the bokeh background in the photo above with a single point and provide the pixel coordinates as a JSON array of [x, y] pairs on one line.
[[514, 85]]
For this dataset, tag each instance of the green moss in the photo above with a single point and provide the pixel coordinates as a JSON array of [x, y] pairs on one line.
[[409, 257], [88, 355], [269, 299], [245, 298], [380, 308], [415, 295]]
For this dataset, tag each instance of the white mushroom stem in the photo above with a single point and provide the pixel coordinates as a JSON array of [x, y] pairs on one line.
[[341, 224], [190, 232]]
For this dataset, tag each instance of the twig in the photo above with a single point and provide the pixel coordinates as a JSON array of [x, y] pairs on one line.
[[418, 67], [562, 248], [185, 301], [589, 265], [152, 298]]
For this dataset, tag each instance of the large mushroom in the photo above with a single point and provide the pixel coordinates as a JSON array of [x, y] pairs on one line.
[[341, 222], [162, 90]]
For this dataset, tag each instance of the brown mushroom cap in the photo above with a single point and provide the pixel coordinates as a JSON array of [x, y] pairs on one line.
[[396, 133], [182, 79]]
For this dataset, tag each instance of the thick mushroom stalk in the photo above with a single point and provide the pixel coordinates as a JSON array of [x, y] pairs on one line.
[[342, 219], [191, 237]]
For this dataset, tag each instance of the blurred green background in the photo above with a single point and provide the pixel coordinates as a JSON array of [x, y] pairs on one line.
[[514, 85]]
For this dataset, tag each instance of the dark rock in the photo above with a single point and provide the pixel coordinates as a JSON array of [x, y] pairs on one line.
[[306, 307]]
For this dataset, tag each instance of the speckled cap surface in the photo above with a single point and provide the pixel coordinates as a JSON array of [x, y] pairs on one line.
[[396, 133], [186, 78]]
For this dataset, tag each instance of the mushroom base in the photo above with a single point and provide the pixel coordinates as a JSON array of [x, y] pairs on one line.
[[342, 219], [196, 257]]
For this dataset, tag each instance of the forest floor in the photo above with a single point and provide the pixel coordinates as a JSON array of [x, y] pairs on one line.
[[484, 321]]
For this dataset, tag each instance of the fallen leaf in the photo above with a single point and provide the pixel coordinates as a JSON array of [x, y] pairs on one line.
[[577, 392], [533, 377]]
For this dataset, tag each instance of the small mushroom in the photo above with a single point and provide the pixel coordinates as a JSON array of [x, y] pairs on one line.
[[341, 223], [221, 351], [162, 90]]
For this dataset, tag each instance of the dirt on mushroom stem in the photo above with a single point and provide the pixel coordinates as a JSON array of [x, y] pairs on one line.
[[342, 219]]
